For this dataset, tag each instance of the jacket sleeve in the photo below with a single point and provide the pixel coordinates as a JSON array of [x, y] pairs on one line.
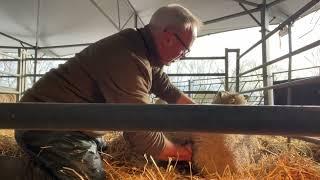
[[163, 88], [151, 143]]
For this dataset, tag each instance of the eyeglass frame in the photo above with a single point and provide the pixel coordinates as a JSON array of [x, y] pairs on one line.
[[187, 50]]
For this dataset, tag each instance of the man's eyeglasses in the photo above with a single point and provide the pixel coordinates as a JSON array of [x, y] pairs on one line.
[[187, 50]]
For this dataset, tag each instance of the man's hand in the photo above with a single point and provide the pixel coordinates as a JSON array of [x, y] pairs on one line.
[[184, 99], [177, 152]]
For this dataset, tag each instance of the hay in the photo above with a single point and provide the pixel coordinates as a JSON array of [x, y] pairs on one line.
[[277, 162], [8, 145], [298, 161], [281, 164]]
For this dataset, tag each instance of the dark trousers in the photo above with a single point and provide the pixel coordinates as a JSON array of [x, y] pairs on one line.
[[64, 155]]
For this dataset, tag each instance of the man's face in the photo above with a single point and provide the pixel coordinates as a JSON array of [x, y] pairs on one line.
[[174, 45]]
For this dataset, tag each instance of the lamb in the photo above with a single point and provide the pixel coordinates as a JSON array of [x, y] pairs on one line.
[[214, 152]]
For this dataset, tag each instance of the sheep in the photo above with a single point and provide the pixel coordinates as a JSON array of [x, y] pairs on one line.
[[214, 152]]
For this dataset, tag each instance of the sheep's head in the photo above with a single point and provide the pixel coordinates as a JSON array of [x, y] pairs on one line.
[[230, 98]]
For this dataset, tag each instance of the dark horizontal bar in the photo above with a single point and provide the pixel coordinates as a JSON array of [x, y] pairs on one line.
[[31, 75], [279, 120], [13, 38], [201, 92], [293, 17], [15, 47], [196, 74], [233, 50], [298, 51], [48, 59], [65, 46], [204, 84], [252, 16], [241, 13], [205, 58], [9, 76], [275, 2], [231, 16], [186, 58], [247, 2], [300, 69], [16, 60], [312, 80]]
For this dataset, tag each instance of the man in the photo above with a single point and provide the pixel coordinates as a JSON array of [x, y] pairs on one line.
[[123, 68]]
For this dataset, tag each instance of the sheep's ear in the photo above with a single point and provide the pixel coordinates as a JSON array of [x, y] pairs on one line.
[[246, 97]]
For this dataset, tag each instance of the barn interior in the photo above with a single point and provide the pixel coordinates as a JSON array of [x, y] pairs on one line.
[[281, 111]]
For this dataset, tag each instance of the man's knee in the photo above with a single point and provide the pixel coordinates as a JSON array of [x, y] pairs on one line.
[[67, 155]]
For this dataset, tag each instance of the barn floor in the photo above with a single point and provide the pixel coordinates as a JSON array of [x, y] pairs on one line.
[[299, 160]]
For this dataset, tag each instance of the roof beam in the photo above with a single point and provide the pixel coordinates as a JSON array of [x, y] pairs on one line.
[[13, 38], [127, 20], [64, 46], [37, 23], [241, 13], [134, 10], [286, 22], [104, 14], [250, 14], [247, 2], [275, 2]]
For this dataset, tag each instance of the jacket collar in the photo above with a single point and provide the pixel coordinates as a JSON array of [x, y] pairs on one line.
[[149, 43]]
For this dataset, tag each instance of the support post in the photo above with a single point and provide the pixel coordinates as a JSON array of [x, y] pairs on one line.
[[23, 72], [19, 78], [289, 95], [268, 99], [35, 63], [226, 70], [135, 20], [189, 87], [237, 70]]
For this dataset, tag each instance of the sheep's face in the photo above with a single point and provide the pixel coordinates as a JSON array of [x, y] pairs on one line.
[[230, 98]]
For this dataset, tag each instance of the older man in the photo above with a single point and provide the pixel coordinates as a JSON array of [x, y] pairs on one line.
[[123, 68]]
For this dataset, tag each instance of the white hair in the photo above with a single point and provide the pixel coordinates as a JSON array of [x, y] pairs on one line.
[[174, 17]]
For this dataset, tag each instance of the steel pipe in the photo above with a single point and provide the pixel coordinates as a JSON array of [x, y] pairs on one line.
[[287, 84], [305, 48], [197, 74], [205, 58], [277, 120], [286, 22]]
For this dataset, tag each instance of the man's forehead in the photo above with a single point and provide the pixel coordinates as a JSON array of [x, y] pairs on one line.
[[190, 33]]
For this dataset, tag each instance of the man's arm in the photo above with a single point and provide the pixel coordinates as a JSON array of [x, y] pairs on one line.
[[175, 151], [183, 153], [164, 89]]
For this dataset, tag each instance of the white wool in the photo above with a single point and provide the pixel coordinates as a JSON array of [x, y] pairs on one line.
[[214, 152]]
